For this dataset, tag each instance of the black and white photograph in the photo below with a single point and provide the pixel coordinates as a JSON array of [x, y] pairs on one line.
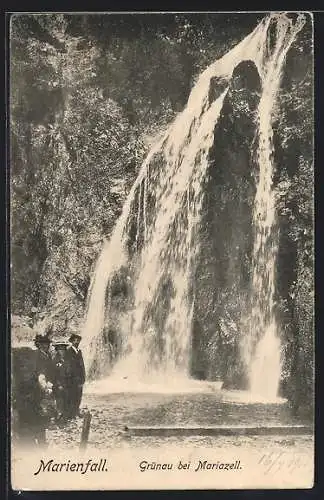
[[162, 250]]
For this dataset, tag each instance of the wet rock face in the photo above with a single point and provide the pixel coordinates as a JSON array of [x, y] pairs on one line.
[[216, 88], [243, 97], [246, 77], [223, 272]]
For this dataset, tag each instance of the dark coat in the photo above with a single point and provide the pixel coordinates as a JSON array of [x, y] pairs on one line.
[[62, 371], [45, 366], [28, 394], [75, 367]]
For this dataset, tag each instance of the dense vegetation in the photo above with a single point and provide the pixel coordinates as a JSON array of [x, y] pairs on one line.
[[88, 93]]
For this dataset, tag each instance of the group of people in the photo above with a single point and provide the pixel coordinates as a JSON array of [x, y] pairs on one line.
[[52, 388]]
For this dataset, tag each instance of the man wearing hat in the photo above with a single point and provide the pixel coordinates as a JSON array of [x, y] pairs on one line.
[[76, 375], [44, 363], [43, 402]]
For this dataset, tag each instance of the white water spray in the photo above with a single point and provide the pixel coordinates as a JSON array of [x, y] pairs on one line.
[[263, 341], [166, 203]]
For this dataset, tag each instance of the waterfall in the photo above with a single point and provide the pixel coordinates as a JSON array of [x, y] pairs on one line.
[[263, 339], [164, 208]]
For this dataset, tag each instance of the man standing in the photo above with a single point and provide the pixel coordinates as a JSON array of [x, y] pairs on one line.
[[45, 373], [34, 377], [76, 375], [61, 380]]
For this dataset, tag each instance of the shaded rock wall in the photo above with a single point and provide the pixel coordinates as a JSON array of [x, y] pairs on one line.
[[223, 272]]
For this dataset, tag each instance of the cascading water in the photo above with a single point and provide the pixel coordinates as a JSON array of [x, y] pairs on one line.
[[165, 205], [263, 341]]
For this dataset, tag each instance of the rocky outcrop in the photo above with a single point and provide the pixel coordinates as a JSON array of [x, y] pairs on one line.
[[223, 270]]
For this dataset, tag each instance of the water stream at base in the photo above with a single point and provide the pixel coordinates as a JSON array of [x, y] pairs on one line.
[[165, 206], [179, 386]]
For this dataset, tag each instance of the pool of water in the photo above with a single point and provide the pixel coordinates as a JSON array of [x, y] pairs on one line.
[[185, 409], [112, 412]]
